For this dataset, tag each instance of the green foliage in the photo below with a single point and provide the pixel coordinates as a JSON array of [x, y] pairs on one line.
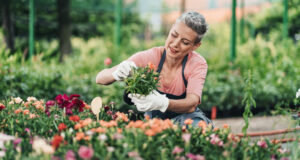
[[143, 80], [270, 20], [248, 101]]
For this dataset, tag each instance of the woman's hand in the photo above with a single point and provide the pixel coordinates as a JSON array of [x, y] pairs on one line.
[[153, 101], [123, 70]]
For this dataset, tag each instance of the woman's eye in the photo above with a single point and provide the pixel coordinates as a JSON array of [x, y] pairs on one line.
[[173, 35], [185, 43]]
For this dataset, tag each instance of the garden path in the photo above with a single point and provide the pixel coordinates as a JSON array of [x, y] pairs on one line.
[[259, 124]]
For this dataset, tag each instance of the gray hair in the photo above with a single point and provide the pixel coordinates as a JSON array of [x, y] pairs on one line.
[[196, 22]]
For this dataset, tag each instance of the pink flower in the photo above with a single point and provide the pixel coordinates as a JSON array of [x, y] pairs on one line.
[[262, 144], [17, 141], [27, 130], [85, 152], [186, 137], [50, 103], [107, 61], [215, 140], [177, 150], [133, 154], [195, 157], [70, 155]]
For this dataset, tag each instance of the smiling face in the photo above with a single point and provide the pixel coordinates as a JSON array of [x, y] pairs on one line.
[[180, 41]]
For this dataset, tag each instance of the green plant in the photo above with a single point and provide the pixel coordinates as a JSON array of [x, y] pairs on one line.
[[248, 101], [143, 80]]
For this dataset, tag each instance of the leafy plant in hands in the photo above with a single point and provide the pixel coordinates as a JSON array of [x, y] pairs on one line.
[[143, 80]]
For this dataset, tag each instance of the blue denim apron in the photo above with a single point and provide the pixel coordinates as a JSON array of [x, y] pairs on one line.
[[178, 118]]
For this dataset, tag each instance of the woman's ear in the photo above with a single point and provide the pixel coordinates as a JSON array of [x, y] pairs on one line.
[[197, 45]]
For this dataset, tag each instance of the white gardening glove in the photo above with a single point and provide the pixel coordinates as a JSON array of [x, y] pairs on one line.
[[153, 101], [123, 70]]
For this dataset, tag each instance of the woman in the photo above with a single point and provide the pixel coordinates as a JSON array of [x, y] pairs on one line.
[[182, 73]]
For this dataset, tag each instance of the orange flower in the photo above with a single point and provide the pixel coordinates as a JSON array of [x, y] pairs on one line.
[[86, 106], [79, 136], [122, 116], [26, 111], [62, 126], [188, 121], [215, 129], [39, 106], [77, 126], [18, 111], [57, 139], [74, 118], [32, 116], [26, 104], [86, 122], [151, 65], [119, 130], [225, 126], [109, 124], [202, 124], [135, 124], [87, 138], [147, 117], [149, 132], [100, 130]]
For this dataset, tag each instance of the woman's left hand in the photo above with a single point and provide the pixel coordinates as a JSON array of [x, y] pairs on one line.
[[153, 101]]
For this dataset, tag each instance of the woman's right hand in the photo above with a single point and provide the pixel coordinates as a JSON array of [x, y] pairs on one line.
[[123, 70]]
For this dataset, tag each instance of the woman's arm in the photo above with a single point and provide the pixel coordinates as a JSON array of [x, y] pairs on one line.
[[105, 77], [187, 105]]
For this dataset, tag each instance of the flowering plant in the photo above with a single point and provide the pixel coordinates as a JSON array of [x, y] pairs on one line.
[[143, 80], [27, 132]]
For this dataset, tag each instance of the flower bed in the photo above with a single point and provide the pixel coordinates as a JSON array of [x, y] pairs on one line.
[[65, 128]]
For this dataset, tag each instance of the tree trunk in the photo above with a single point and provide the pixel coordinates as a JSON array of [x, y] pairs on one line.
[[64, 27], [7, 25]]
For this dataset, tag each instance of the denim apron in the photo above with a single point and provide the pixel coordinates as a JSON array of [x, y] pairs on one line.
[[177, 118]]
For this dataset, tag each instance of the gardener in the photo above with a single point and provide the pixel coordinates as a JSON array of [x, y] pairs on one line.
[[182, 73]]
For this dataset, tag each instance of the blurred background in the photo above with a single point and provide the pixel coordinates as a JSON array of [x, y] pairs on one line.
[[51, 47]]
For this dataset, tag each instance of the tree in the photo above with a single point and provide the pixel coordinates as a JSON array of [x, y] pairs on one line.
[[7, 25], [64, 27]]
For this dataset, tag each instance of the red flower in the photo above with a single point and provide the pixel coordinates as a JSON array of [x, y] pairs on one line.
[[57, 139], [107, 61], [74, 95], [2, 106], [78, 104], [74, 118], [62, 126]]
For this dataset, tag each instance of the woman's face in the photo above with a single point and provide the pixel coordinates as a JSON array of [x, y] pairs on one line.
[[180, 41]]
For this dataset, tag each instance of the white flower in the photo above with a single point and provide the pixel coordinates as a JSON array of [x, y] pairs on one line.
[[2, 154], [31, 99], [18, 100], [4, 137], [110, 149], [298, 93], [102, 137], [40, 146], [89, 133]]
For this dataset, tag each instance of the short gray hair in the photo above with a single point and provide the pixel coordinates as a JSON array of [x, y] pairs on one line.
[[196, 22]]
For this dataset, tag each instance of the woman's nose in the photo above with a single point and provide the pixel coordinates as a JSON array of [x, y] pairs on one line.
[[175, 43]]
